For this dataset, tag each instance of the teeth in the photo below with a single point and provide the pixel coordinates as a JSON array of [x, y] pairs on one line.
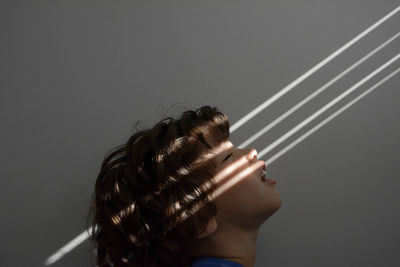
[[263, 175]]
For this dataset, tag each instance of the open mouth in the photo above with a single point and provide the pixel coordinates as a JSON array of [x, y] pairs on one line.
[[264, 177]]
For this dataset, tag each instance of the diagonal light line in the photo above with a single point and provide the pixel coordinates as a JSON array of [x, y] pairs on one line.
[[83, 236], [68, 247], [309, 72], [315, 128], [324, 108], [320, 90]]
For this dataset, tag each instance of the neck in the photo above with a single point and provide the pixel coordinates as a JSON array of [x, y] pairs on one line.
[[236, 246]]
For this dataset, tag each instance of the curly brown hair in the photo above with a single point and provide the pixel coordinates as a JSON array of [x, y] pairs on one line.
[[152, 195]]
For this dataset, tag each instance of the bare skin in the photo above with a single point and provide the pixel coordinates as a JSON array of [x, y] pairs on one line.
[[241, 208]]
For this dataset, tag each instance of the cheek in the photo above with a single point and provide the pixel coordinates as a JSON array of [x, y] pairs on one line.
[[249, 191], [241, 194]]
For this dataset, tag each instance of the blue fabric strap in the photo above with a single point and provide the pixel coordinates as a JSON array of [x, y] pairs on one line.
[[215, 262]]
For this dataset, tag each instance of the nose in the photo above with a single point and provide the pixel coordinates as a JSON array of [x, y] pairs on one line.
[[252, 154]]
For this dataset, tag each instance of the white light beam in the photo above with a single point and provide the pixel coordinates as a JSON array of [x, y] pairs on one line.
[[309, 72], [84, 235], [315, 128], [324, 108], [320, 90], [68, 247]]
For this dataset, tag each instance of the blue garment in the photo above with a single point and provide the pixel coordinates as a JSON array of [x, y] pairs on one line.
[[215, 262]]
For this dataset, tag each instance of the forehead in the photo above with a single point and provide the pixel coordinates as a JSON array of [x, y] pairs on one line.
[[222, 147]]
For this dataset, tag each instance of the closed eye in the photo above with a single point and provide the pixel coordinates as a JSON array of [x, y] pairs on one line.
[[227, 157]]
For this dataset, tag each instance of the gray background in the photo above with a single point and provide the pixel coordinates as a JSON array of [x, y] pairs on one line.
[[77, 75]]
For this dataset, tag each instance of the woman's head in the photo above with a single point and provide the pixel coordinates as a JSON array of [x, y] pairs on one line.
[[156, 195], [242, 197], [243, 200]]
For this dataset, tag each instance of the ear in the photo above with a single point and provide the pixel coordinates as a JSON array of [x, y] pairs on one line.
[[210, 229]]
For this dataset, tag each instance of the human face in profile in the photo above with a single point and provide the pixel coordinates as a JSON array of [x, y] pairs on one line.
[[242, 197]]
